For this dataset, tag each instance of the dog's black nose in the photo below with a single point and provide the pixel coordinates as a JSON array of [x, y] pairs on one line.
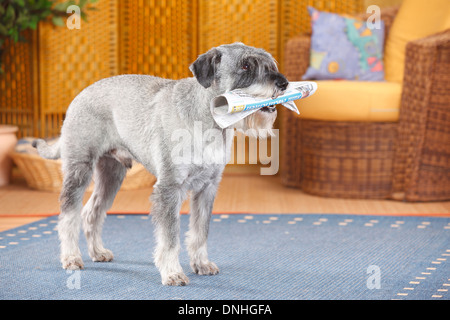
[[281, 83]]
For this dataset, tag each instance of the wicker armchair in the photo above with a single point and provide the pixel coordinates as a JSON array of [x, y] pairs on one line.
[[404, 160]]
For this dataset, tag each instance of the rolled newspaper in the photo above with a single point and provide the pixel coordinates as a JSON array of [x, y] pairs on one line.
[[232, 106]]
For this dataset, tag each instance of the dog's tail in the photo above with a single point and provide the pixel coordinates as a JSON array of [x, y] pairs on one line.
[[47, 151]]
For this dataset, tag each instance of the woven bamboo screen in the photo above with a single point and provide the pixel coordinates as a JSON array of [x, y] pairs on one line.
[[70, 60], [18, 85], [158, 37], [253, 22]]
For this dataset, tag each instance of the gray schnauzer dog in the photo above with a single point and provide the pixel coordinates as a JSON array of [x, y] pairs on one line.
[[131, 117]]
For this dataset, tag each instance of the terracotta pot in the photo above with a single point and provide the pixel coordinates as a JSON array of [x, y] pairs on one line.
[[8, 141]]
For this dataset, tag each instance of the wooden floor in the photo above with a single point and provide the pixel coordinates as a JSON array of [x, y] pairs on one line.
[[238, 193]]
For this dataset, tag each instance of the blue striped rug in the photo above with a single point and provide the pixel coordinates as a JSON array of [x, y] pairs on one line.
[[263, 257]]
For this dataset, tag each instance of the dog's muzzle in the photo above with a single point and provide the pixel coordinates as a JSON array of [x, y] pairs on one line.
[[281, 84]]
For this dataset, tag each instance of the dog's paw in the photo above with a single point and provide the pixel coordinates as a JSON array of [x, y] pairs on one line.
[[209, 268], [175, 279], [103, 255], [72, 263]]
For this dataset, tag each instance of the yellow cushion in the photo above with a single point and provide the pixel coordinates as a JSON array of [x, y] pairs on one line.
[[415, 19], [352, 101]]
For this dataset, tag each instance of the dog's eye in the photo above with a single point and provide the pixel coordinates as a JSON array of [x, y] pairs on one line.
[[245, 66]]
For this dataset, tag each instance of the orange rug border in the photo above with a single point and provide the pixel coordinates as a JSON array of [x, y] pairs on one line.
[[44, 215]]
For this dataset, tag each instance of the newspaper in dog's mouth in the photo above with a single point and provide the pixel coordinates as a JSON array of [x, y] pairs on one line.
[[232, 106]]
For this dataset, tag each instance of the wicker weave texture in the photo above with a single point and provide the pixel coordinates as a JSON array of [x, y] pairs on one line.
[[341, 159], [158, 37], [18, 85], [40, 174], [420, 164], [70, 60], [266, 24], [296, 57], [253, 22], [46, 175], [334, 159], [296, 19], [422, 167]]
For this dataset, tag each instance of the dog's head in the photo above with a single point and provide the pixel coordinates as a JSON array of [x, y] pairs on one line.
[[237, 66]]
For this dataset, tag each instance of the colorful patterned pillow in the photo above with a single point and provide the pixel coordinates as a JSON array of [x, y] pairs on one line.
[[344, 48]]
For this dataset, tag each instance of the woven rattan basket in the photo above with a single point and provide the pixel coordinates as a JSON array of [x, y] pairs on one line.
[[46, 175], [339, 159]]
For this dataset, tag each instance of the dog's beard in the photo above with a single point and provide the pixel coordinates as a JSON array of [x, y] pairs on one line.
[[258, 124]]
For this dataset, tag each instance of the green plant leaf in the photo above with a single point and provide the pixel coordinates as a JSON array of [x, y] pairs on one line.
[[22, 20], [14, 33], [61, 6], [20, 3], [44, 4], [58, 21], [34, 22], [3, 30], [83, 16], [10, 14]]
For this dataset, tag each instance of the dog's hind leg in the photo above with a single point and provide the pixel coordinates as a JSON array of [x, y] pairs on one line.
[[108, 177], [77, 176], [201, 209], [166, 204]]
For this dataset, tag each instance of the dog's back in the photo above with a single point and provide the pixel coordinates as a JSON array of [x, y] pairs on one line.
[[92, 117]]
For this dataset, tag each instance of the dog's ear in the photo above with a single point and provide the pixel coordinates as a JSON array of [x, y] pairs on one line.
[[204, 68]]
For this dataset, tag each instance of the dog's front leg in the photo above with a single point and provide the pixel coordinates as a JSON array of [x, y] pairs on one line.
[[201, 209], [166, 205]]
